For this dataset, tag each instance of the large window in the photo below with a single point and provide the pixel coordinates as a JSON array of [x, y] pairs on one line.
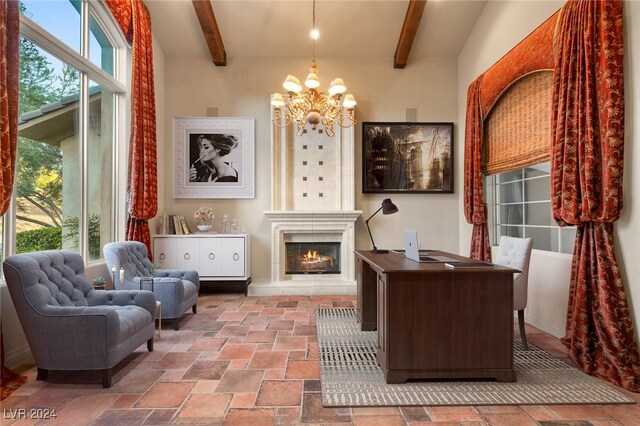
[[72, 109], [519, 206]]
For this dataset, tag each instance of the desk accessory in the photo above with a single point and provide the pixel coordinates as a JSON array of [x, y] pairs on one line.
[[387, 208], [467, 265]]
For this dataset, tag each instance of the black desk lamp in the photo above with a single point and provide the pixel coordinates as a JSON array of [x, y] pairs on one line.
[[387, 208]]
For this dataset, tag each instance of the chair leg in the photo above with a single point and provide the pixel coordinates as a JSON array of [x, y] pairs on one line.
[[106, 378], [150, 345], [523, 335], [176, 324], [42, 374]]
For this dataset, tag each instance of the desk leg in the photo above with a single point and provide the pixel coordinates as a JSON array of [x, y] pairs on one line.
[[367, 296], [507, 376]]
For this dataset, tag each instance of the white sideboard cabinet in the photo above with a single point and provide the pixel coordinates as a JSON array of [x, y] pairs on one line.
[[216, 257]]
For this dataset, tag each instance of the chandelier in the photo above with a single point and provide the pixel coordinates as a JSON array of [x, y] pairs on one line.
[[312, 106]]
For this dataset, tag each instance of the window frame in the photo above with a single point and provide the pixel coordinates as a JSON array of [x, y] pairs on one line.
[[492, 198], [118, 85]]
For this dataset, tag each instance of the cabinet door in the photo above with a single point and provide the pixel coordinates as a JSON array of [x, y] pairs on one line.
[[187, 253], [233, 257], [210, 256], [164, 252]]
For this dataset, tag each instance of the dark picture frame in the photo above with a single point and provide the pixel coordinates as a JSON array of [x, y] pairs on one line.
[[407, 157]]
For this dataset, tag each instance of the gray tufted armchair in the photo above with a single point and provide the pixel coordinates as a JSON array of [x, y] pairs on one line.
[[176, 289], [68, 324]]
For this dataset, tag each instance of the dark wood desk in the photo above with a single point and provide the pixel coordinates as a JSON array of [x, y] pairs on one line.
[[434, 322]]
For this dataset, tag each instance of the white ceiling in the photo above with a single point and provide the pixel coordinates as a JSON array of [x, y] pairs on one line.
[[348, 29]]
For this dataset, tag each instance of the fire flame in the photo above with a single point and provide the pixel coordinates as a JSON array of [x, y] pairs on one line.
[[311, 255]]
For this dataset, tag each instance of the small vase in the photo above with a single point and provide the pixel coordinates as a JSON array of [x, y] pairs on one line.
[[204, 225]]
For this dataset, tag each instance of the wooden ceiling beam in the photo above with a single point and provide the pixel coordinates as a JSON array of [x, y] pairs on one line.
[[409, 30], [211, 32]]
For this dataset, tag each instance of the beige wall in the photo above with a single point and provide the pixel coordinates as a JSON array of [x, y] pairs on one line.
[[499, 28], [242, 89]]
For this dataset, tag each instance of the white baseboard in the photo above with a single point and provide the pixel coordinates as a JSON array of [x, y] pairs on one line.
[[545, 326], [18, 356]]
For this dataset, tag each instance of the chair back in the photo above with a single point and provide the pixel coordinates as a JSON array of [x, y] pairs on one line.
[[130, 255], [516, 253], [47, 278], [42, 284]]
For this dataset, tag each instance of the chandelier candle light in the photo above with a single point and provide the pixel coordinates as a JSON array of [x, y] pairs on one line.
[[311, 106]]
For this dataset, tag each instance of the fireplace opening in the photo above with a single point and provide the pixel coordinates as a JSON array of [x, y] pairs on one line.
[[312, 258]]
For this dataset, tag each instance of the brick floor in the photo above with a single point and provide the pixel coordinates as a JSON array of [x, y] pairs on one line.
[[253, 360]]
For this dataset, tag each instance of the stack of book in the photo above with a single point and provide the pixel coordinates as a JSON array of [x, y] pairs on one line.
[[177, 225]]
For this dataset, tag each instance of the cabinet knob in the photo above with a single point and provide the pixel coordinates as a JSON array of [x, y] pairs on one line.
[[236, 256], [212, 256], [187, 256], [162, 256]]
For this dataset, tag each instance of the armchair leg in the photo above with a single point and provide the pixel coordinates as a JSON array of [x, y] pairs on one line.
[[176, 324], [194, 308], [150, 345], [523, 335], [106, 378], [42, 374]]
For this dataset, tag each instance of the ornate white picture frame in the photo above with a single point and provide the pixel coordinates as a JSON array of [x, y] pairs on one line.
[[214, 157]]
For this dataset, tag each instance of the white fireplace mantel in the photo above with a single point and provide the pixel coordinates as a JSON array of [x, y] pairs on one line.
[[312, 200], [320, 216], [312, 226]]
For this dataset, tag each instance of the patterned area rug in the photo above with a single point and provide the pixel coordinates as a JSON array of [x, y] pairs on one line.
[[350, 376]]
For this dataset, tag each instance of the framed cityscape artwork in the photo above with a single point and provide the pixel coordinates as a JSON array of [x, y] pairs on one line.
[[407, 157], [214, 157]]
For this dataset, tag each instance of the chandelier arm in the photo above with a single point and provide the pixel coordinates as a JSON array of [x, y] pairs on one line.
[[278, 116], [328, 128], [350, 117]]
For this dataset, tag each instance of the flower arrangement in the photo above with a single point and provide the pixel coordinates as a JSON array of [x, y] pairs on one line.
[[204, 213]]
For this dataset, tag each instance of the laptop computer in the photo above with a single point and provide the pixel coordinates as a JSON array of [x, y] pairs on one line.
[[412, 251]]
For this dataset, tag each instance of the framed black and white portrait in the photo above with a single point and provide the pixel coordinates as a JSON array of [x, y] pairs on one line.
[[214, 157]]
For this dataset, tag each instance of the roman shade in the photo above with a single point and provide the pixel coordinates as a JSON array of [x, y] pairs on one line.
[[517, 130]]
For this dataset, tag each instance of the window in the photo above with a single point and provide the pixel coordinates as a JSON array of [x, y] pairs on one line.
[[519, 206], [72, 108]]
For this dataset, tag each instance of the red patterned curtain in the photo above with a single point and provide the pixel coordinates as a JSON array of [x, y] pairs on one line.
[[531, 54], [475, 209], [9, 86], [135, 22], [9, 81], [586, 172]]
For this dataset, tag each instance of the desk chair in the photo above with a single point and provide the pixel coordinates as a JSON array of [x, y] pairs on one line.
[[516, 253]]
